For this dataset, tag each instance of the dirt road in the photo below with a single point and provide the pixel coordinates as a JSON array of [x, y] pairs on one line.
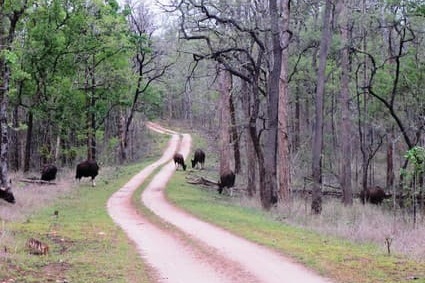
[[193, 251]]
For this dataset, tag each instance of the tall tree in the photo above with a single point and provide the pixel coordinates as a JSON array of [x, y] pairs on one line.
[[269, 193], [10, 13], [283, 164], [344, 102], [316, 204], [224, 87]]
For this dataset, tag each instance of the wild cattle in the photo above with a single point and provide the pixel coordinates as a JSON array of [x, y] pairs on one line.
[[179, 160], [48, 173], [88, 168], [374, 195], [227, 180], [7, 195], [198, 158]]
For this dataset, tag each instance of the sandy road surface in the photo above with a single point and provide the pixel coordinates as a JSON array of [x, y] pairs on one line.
[[212, 254]]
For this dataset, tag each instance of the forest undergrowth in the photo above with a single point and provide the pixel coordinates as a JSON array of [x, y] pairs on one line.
[[394, 232]]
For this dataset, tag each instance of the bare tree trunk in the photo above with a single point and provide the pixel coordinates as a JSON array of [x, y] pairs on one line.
[[345, 123], [235, 137], [316, 205], [225, 85], [390, 159], [268, 193], [251, 167], [283, 163], [28, 142]]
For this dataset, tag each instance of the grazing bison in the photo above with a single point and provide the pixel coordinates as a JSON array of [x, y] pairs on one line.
[[198, 158], [374, 195], [7, 195], [179, 160], [88, 168], [48, 173], [227, 179]]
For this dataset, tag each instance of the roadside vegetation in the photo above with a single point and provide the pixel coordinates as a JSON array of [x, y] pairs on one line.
[[84, 243]]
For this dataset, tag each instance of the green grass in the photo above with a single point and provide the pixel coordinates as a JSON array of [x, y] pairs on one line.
[[85, 245], [340, 260]]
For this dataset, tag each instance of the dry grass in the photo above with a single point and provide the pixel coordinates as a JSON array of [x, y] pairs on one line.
[[30, 197], [358, 223]]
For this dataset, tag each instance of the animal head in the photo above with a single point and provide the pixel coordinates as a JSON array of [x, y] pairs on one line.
[[7, 195]]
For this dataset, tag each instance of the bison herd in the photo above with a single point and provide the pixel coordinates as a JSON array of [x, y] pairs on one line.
[[90, 169], [227, 178]]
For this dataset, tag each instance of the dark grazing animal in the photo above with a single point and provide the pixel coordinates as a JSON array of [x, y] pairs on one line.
[[48, 173], [7, 195], [198, 158], [374, 195], [179, 160], [227, 179], [88, 168]]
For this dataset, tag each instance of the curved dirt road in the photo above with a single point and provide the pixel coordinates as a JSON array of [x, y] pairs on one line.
[[205, 253]]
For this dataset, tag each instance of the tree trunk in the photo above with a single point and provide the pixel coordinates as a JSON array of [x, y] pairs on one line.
[[225, 85], [28, 143], [8, 22], [251, 158], [344, 102], [283, 135], [316, 204], [268, 193], [235, 136]]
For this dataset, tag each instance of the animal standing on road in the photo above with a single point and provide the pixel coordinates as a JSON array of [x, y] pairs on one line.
[[179, 161], [88, 168], [199, 158], [375, 195], [48, 173], [227, 180], [7, 195]]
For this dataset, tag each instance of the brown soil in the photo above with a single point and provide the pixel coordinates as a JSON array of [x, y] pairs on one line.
[[206, 253]]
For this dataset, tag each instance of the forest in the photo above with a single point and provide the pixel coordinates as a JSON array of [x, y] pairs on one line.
[[317, 97]]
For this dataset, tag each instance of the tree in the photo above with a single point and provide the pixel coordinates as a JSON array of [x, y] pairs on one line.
[[316, 205], [344, 102], [224, 87], [283, 164], [10, 13]]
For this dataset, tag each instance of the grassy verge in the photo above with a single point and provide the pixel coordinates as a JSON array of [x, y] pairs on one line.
[[84, 243], [340, 260]]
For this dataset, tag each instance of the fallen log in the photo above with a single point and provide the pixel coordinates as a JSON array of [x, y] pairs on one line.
[[201, 181], [37, 181]]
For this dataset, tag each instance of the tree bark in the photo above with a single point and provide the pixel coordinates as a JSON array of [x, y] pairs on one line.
[[344, 102], [283, 164], [224, 85], [251, 166], [235, 136], [316, 204], [268, 193]]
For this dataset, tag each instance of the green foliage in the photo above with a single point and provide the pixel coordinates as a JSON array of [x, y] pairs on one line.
[[416, 156]]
